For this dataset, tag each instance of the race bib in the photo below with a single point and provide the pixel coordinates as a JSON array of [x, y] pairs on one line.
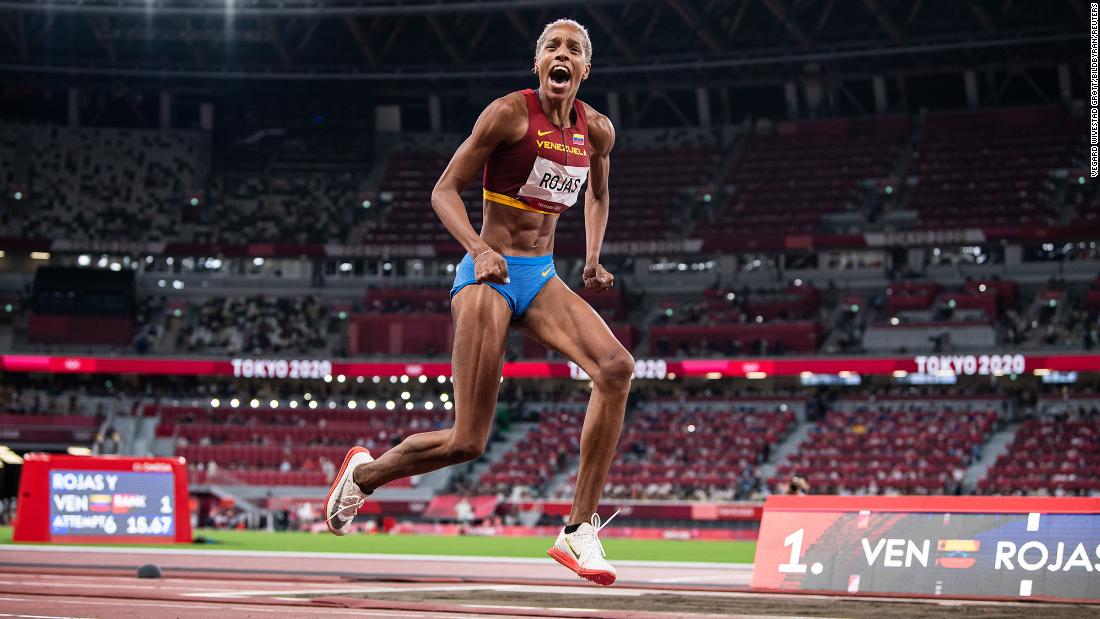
[[553, 182]]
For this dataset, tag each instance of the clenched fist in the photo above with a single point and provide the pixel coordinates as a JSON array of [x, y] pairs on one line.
[[597, 278]]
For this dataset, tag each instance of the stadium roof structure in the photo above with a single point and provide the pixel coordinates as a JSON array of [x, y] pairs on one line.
[[398, 45]]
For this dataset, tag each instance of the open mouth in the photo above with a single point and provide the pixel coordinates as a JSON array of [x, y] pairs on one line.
[[559, 75]]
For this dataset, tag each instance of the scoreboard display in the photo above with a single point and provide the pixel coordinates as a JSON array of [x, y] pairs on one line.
[[107, 498], [990, 547]]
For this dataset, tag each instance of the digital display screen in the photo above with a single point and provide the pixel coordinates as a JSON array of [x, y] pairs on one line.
[[98, 503], [951, 553]]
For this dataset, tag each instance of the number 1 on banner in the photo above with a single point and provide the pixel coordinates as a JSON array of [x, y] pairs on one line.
[[794, 540], [165, 505]]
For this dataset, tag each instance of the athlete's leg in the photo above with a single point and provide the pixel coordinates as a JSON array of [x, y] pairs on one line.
[[564, 322], [481, 317]]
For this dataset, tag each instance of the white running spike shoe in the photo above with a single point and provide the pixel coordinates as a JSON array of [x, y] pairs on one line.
[[582, 552], [344, 497]]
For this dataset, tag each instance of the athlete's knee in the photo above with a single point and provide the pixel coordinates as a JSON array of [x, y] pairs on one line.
[[616, 370], [463, 449]]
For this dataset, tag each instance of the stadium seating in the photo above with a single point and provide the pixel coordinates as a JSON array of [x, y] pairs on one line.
[[725, 321], [694, 454], [1056, 456], [670, 451], [784, 183], [544, 452], [109, 184], [989, 168], [254, 324], [286, 446], [911, 448]]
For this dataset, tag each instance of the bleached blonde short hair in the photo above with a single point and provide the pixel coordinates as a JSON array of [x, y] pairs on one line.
[[586, 41]]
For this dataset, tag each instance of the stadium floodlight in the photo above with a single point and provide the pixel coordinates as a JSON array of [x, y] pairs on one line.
[[376, 379], [254, 403], [177, 284], [273, 404], [405, 395], [234, 402], [443, 397], [84, 260], [393, 379], [442, 379], [352, 404], [307, 396], [428, 405], [341, 378], [404, 378], [360, 380], [294, 404], [328, 378], [690, 427], [895, 321], [423, 379], [312, 404], [40, 255], [215, 402], [390, 405], [448, 405], [371, 404], [408, 406], [257, 261], [332, 403], [19, 194], [161, 283], [116, 267]]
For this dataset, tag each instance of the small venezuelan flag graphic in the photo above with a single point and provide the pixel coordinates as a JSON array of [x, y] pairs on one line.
[[99, 502], [578, 139], [957, 553]]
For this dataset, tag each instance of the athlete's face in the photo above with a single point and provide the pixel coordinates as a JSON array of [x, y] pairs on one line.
[[560, 63]]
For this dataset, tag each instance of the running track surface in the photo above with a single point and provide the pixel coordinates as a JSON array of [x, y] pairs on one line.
[[45, 582], [50, 581]]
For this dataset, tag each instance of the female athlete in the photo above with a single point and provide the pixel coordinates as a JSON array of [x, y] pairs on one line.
[[537, 149]]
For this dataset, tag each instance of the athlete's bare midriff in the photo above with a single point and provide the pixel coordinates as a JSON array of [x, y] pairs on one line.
[[515, 232]]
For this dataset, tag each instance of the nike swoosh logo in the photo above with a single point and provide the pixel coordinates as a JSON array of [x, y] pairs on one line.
[[546, 272], [542, 133], [571, 549]]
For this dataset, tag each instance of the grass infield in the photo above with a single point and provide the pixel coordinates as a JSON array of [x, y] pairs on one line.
[[623, 549]]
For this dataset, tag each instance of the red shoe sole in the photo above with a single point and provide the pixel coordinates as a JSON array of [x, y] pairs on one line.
[[596, 576], [340, 476]]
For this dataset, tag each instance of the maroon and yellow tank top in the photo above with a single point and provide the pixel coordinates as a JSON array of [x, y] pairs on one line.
[[545, 170]]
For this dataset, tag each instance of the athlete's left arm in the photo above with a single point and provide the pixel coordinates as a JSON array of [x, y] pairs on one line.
[[601, 134]]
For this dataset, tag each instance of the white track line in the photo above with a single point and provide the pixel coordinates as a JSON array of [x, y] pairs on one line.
[[352, 556], [689, 579], [298, 610]]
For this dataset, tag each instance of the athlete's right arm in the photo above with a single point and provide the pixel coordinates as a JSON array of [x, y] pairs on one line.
[[502, 121]]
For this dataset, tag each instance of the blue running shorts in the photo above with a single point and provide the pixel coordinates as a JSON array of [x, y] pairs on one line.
[[528, 274]]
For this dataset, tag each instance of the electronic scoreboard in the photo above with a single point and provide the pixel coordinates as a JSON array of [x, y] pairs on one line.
[[102, 499]]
